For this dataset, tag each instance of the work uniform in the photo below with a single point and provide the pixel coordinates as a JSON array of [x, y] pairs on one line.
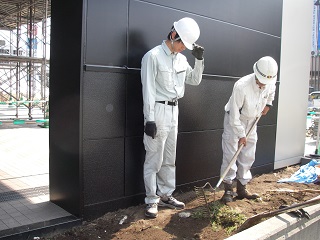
[[163, 77], [245, 104]]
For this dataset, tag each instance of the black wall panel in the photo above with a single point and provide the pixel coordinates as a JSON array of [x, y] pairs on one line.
[[265, 150], [104, 102], [103, 170], [134, 159], [106, 32], [96, 117], [202, 106], [231, 49], [271, 117], [134, 107], [199, 156], [64, 104], [262, 15]]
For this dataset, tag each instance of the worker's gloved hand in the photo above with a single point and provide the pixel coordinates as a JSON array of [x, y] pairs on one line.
[[151, 129], [197, 51]]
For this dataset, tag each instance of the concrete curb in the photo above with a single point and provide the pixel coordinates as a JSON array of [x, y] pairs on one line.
[[285, 226]]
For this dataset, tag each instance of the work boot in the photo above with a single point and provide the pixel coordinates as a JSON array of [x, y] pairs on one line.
[[228, 193], [244, 193]]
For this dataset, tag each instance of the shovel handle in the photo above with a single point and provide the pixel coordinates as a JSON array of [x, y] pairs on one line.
[[234, 158], [257, 218]]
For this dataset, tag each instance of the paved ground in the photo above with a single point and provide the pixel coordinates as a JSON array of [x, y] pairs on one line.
[[24, 177]]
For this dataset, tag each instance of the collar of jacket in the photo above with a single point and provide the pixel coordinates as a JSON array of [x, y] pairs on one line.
[[166, 49]]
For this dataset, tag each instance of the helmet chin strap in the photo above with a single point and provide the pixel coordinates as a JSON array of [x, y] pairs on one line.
[[173, 40], [172, 46]]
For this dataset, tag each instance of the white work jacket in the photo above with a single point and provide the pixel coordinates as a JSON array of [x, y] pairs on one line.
[[163, 75], [247, 102]]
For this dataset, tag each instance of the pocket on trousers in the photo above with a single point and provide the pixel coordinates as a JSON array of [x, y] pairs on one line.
[[229, 138], [150, 144]]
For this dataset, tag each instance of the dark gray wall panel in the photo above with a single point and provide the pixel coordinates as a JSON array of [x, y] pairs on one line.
[[271, 117], [93, 211], [64, 105], [103, 105], [137, 46], [266, 168], [134, 159], [265, 150], [150, 29], [134, 113], [262, 15], [231, 50], [103, 170], [106, 36], [199, 156], [202, 106]]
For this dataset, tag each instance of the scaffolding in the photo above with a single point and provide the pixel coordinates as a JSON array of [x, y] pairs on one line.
[[24, 58]]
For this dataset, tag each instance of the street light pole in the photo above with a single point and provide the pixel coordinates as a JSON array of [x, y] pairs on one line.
[[316, 67]]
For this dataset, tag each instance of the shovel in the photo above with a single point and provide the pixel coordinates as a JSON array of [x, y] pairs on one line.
[[295, 191], [234, 158], [200, 191], [257, 218]]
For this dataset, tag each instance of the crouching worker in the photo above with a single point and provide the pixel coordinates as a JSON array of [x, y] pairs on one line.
[[164, 73], [252, 94]]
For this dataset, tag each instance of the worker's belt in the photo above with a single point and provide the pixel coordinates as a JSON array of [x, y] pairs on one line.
[[175, 103]]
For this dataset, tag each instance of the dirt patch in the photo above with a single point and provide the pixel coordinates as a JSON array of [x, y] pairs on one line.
[[170, 225]]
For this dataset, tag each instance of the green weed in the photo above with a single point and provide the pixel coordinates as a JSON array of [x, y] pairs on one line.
[[226, 217], [222, 217]]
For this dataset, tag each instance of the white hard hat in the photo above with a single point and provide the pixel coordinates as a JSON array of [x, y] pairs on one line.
[[188, 30], [266, 70]]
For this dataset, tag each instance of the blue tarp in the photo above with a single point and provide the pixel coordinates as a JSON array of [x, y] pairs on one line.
[[306, 174]]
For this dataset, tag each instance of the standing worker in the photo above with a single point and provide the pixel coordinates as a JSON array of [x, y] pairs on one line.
[[252, 94], [164, 72]]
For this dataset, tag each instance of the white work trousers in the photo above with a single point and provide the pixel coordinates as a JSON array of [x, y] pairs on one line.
[[159, 166], [241, 168]]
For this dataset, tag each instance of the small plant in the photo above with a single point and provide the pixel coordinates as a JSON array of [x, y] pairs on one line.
[[215, 209], [200, 213], [225, 217], [221, 216]]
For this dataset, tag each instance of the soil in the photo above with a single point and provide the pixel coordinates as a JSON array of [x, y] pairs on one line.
[[171, 225]]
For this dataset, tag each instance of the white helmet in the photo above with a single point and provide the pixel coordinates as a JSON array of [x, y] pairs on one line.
[[188, 30], [266, 70]]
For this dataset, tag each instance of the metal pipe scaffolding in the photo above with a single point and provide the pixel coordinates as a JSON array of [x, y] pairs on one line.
[[24, 64]]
